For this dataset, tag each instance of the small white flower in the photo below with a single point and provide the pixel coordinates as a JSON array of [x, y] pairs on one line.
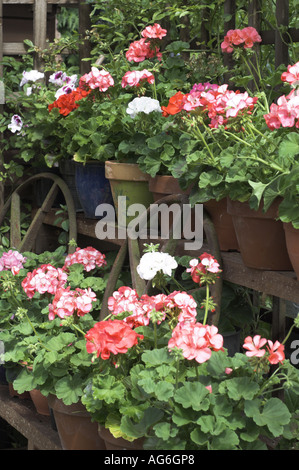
[[16, 124], [31, 76], [143, 104], [153, 262]]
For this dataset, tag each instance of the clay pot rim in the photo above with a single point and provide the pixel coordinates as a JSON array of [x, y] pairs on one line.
[[115, 170], [242, 209], [166, 184]]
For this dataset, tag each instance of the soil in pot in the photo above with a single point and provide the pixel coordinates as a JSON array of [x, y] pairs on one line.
[[261, 238], [75, 428]]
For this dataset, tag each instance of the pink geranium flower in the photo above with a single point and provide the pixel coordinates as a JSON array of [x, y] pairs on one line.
[[135, 77], [254, 345], [154, 32], [45, 279], [12, 261], [291, 76], [276, 352], [68, 302], [89, 257], [96, 78], [196, 341], [140, 50]]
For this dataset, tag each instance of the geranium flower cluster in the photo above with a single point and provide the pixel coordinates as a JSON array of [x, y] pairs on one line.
[[53, 281], [45, 279], [285, 113], [16, 124], [67, 102], [244, 38], [196, 341], [110, 337], [68, 302], [12, 261], [177, 306], [89, 257], [274, 352], [136, 77], [96, 78], [153, 262], [207, 267], [146, 47], [66, 83], [215, 103]]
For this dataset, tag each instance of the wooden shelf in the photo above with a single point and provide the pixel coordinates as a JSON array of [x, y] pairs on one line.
[[21, 415], [282, 284]]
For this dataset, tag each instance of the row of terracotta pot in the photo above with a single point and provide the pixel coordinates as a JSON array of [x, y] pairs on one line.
[[263, 241], [73, 423]]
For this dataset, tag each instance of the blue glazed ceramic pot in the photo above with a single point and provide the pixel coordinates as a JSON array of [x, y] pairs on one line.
[[93, 188]]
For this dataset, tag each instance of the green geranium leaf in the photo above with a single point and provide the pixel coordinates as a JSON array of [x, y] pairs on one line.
[[150, 417], [109, 390], [69, 388], [156, 357], [192, 395], [239, 387], [274, 414], [228, 440], [289, 147], [165, 431]]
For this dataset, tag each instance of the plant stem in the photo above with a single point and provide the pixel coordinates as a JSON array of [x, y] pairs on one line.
[[206, 304]]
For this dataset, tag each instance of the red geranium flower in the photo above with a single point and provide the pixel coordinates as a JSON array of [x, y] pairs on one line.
[[111, 336]]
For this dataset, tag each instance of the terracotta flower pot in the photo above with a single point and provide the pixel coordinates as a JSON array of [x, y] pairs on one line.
[[75, 428], [40, 402], [113, 443], [14, 393], [223, 224], [260, 237], [292, 241], [163, 185], [126, 179]]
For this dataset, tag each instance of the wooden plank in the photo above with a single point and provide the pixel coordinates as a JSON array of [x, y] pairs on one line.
[[21, 415], [39, 29], [31, 2], [15, 221], [14, 48], [281, 40], [276, 283]]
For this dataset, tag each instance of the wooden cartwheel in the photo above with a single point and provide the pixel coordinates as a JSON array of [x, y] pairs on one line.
[[133, 248], [14, 203]]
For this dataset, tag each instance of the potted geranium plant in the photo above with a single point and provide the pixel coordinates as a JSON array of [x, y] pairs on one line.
[[164, 380], [44, 302], [233, 150]]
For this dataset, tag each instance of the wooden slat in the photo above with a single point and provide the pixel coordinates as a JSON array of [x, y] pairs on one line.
[[13, 48], [15, 221], [31, 2], [21, 415], [276, 283], [281, 46]]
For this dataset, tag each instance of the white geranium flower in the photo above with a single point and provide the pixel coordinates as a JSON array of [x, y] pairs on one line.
[[65, 90], [143, 104], [153, 262], [31, 76], [16, 124]]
